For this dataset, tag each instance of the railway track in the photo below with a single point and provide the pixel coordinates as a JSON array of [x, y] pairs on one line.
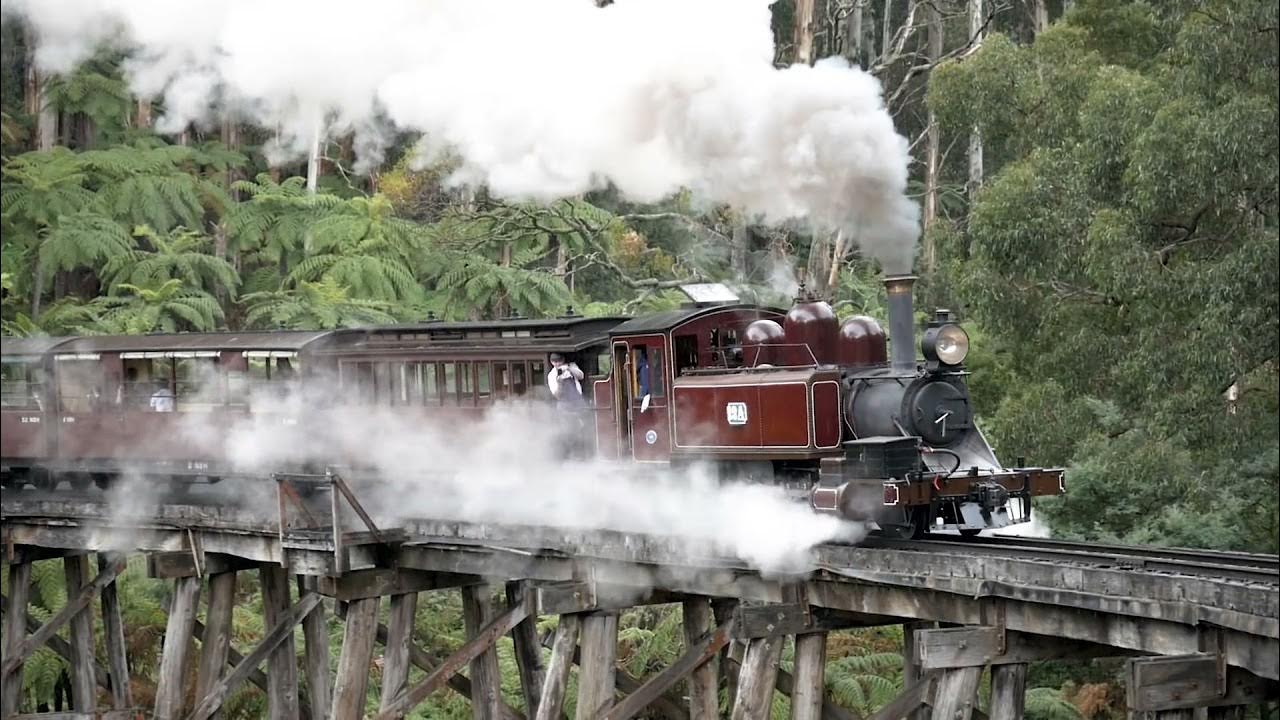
[[1245, 567]]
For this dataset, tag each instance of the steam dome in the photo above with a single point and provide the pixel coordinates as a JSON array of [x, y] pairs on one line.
[[762, 332], [861, 343], [812, 322]]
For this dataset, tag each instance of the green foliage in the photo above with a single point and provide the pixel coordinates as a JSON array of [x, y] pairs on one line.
[[319, 305], [1048, 704], [865, 682], [1124, 254]]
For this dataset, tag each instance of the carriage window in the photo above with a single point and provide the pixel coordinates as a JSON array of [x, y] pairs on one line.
[[449, 390], [500, 379], [483, 387], [519, 380], [398, 377], [358, 383], [430, 384], [466, 385], [604, 363], [79, 385], [20, 385], [198, 384], [538, 379]]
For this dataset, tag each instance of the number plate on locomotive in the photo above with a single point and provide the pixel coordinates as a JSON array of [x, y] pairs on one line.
[[736, 413]]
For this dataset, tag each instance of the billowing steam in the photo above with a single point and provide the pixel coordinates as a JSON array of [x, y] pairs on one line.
[[507, 468], [538, 100]]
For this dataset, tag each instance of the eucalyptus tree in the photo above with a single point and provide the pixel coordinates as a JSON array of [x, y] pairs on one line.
[[1128, 241]]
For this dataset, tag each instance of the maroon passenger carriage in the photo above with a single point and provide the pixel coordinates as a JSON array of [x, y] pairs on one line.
[[762, 395]]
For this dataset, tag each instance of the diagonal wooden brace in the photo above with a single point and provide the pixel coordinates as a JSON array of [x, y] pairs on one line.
[[701, 652], [73, 606], [283, 629], [469, 651]]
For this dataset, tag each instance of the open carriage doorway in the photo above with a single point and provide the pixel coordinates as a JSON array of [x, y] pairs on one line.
[[622, 394]]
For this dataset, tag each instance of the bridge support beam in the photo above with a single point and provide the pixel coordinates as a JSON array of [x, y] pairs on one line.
[[357, 653], [486, 680], [395, 658], [282, 666], [315, 638], [810, 676], [598, 677], [704, 700], [177, 647], [215, 639], [1008, 691], [113, 637], [524, 637], [15, 630], [556, 680], [757, 678], [1174, 686]]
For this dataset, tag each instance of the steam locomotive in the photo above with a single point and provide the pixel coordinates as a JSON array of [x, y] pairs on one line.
[[838, 413]]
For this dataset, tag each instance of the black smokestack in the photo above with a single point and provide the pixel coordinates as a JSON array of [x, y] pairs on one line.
[[902, 336]]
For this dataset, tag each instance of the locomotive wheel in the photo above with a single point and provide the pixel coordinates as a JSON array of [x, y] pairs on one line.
[[79, 482], [42, 479], [102, 481], [916, 525]]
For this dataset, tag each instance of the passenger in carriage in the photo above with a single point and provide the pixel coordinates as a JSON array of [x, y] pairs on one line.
[[162, 400], [565, 381], [127, 386]]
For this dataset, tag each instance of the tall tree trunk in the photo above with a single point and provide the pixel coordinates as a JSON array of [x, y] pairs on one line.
[[818, 268], [1039, 15], [37, 287], [230, 137], [933, 149], [837, 259], [853, 50], [66, 123], [887, 32], [86, 132], [37, 104], [313, 159], [975, 135], [142, 114], [739, 238], [803, 31]]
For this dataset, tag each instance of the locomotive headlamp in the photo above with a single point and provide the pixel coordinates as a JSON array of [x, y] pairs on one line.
[[947, 344]]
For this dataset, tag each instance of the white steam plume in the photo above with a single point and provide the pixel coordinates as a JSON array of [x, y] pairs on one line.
[[507, 468], [540, 100]]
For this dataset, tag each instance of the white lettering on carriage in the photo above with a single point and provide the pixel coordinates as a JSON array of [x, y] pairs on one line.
[[736, 413]]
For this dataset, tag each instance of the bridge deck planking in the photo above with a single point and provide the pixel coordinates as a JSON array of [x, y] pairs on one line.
[[1130, 608]]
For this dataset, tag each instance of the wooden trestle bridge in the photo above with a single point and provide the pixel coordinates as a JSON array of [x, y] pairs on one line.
[[1201, 629]]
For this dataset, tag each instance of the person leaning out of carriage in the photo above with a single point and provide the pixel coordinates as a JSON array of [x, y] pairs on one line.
[[565, 380]]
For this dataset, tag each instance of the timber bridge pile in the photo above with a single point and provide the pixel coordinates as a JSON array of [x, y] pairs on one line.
[[1201, 630]]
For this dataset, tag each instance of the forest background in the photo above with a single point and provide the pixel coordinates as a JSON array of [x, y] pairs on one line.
[[1099, 188]]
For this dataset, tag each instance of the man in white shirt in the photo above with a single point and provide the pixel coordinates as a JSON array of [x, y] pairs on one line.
[[564, 380], [162, 399]]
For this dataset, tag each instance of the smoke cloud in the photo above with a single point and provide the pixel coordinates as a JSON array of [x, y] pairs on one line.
[[539, 100], [508, 468]]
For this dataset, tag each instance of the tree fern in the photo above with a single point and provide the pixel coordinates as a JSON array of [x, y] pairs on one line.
[[179, 254], [1049, 704]]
